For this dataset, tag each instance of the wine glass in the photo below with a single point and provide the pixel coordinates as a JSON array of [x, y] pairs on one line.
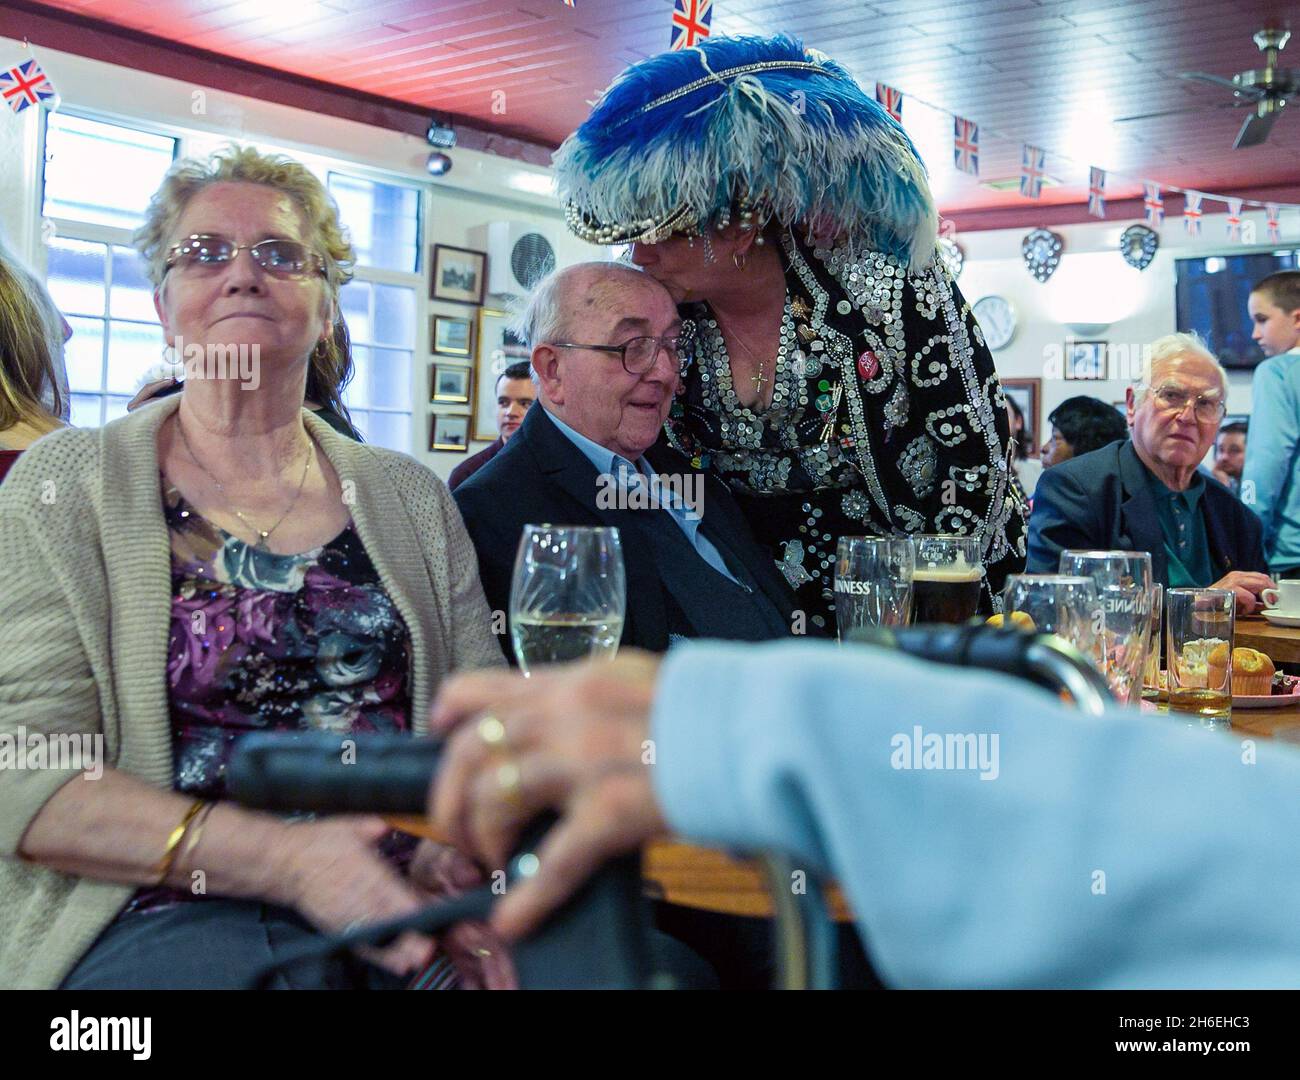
[[1123, 583], [568, 596], [1062, 604], [873, 582]]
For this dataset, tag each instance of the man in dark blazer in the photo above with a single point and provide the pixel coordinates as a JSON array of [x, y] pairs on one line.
[[695, 572], [1145, 493]]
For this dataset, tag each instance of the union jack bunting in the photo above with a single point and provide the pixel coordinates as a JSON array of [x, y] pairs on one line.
[[568, 3], [691, 20], [1192, 212], [966, 145], [1154, 204], [1032, 161], [26, 85], [1271, 211], [1097, 192], [891, 99], [1234, 218]]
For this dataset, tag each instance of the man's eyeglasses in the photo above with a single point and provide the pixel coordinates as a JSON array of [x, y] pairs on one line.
[[639, 353], [283, 258], [1174, 399]]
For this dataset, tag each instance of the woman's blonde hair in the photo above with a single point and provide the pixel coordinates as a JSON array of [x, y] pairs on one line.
[[31, 350], [331, 361]]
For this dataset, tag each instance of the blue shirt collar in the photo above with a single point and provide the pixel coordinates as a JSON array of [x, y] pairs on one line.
[[603, 458]]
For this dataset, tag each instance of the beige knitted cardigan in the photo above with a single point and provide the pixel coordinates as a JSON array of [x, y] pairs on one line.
[[85, 607]]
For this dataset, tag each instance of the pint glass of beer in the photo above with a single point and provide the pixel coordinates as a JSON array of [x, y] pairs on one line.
[[946, 581]]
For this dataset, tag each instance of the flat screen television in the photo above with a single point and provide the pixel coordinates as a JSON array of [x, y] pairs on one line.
[[1211, 300]]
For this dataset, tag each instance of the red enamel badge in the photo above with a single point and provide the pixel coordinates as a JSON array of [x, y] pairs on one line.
[[868, 365]]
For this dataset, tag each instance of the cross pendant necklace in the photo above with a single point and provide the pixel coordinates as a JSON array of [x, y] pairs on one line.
[[758, 380]]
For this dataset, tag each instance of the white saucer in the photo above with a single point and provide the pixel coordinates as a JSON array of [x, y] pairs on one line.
[[1277, 618]]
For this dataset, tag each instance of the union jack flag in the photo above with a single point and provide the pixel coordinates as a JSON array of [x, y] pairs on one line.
[[891, 99], [966, 145], [1097, 192], [1234, 218], [1271, 211], [1154, 204], [26, 85], [1192, 212], [691, 20], [1032, 161], [568, 3]]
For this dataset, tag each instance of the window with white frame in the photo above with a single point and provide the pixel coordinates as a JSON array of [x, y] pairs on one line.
[[98, 178], [379, 304]]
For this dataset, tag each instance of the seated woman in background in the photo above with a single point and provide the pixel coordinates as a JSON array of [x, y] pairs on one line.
[[33, 383], [218, 563]]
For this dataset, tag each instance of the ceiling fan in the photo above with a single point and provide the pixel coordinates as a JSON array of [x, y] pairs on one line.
[[1265, 91]]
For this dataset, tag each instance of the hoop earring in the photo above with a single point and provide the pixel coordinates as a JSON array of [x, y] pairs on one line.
[[738, 260]]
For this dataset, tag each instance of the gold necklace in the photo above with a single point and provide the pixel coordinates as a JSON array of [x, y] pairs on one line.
[[758, 380], [263, 534]]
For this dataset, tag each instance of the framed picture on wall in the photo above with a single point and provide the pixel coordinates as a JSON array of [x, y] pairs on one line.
[[1085, 360], [1027, 394], [451, 335], [497, 348], [450, 383], [458, 274], [448, 432]]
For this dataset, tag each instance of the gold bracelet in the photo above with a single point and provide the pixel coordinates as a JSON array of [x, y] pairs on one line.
[[164, 866], [196, 830]]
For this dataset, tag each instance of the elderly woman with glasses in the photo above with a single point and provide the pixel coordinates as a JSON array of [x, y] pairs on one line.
[[1148, 493], [217, 563], [837, 381]]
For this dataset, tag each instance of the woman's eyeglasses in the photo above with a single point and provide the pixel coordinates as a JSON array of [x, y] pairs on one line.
[[1174, 399], [284, 258], [639, 353]]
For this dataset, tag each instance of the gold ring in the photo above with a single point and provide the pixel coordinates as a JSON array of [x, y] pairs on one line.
[[492, 732], [508, 782]]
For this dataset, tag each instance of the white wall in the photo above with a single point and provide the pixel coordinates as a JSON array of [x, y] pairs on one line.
[[1093, 284], [480, 188]]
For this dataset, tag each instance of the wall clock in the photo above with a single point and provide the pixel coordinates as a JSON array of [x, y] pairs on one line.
[[997, 319]]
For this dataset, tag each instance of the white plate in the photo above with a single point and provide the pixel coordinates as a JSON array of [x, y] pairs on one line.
[[1264, 701], [1278, 619]]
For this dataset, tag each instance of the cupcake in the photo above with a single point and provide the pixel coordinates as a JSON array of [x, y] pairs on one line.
[[1252, 672]]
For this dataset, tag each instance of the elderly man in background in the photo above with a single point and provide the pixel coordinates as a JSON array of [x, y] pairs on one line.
[[1148, 495], [515, 393]]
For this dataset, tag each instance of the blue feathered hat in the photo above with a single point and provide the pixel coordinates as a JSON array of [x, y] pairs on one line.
[[748, 127]]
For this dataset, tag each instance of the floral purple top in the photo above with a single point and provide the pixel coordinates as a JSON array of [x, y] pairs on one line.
[[266, 642]]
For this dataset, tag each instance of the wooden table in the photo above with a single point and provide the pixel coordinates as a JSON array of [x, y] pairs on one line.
[[1279, 643]]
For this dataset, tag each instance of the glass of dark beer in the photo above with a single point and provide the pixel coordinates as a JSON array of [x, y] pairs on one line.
[[947, 578]]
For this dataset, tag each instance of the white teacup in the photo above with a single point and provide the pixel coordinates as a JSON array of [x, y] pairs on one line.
[[1284, 600]]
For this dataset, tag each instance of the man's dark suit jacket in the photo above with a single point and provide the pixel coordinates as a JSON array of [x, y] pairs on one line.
[[541, 476], [1103, 501]]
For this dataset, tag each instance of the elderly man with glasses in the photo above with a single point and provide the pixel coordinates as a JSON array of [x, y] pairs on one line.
[[1146, 494], [606, 357]]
